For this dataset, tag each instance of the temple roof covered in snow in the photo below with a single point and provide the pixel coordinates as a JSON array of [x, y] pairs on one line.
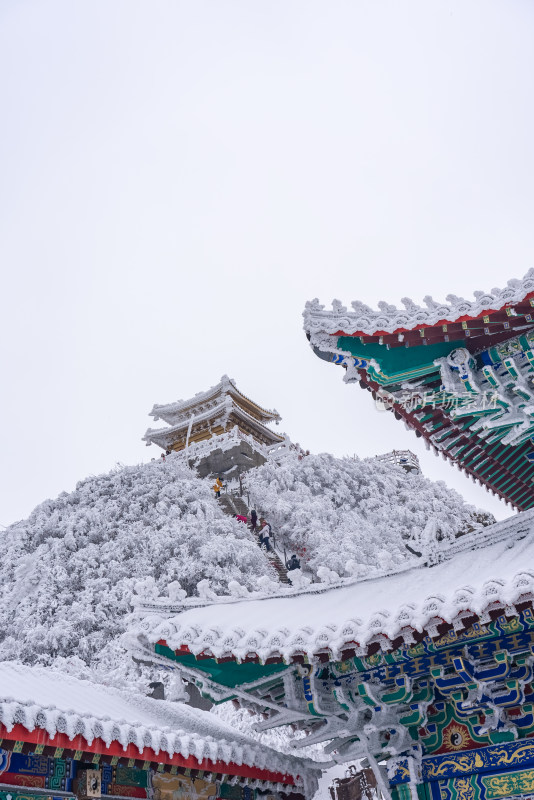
[[212, 413], [485, 575], [460, 374], [388, 320], [90, 716]]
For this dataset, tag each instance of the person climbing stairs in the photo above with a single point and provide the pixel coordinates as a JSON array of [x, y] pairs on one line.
[[234, 505]]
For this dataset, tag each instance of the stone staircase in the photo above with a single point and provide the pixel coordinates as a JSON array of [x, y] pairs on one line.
[[233, 504], [227, 504], [277, 563], [239, 505]]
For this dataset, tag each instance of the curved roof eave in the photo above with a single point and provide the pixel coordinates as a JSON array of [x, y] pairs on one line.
[[390, 320]]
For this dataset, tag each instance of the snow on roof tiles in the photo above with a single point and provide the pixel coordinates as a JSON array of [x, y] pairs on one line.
[[390, 319], [36, 697], [471, 582], [183, 407], [220, 411]]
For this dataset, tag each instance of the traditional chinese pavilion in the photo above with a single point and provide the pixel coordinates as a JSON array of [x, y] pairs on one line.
[[226, 429], [61, 737], [429, 671], [460, 374]]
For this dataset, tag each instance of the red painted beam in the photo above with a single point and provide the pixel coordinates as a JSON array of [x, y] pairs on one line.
[[19, 733]]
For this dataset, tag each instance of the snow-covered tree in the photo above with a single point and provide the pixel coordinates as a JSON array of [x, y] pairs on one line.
[[70, 570], [355, 517]]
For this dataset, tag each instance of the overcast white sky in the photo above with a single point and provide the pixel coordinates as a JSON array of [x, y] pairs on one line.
[[178, 178]]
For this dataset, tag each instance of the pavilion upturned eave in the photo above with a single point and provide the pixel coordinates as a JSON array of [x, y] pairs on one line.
[[405, 357], [173, 413], [221, 419], [471, 332]]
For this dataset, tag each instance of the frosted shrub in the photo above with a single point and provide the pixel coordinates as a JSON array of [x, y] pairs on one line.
[[175, 592], [298, 579], [146, 589], [267, 586], [237, 590], [175, 688], [326, 575], [353, 569], [205, 591]]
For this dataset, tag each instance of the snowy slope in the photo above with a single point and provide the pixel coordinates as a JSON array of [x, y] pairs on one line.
[[356, 516], [69, 571]]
